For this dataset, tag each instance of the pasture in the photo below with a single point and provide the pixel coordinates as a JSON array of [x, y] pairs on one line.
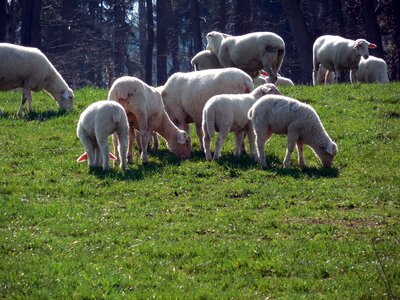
[[198, 229]]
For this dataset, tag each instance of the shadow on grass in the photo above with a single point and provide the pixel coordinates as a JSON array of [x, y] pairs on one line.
[[138, 171], [245, 162], [35, 116]]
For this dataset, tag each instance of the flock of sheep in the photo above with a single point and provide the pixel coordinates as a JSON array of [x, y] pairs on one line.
[[219, 96]]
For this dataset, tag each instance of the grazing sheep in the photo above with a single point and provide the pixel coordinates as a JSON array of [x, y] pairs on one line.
[[338, 54], [146, 113], [280, 81], [250, 52], [96, 123], [324, 76], [185, 94], [299, 121], [205, 60], [371, 70], [226, 113], [29, 69]]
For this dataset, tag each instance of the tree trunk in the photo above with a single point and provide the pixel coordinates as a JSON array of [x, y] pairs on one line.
[[221, 22], [195, 17], [142, 34], [173, 34], [30, 28], [67, 22], [301, 37], [372, 27], [3, 22], [162, 48], [119, 38], [242, 23], [150, 43]]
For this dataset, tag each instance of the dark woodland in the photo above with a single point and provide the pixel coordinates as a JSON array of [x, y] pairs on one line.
[[93, 42]]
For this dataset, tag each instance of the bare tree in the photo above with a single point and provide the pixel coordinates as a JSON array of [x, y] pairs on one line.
[[371, 26], [195, 18], [150, 43], [162, 49], [242, 23], [31, 27], [3, 21], [301, 36]]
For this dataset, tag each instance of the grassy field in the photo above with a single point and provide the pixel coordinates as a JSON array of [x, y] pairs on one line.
[[198, 229]]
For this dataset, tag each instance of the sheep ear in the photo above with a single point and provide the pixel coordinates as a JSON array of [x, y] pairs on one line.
[[263, 73], [182, 138], [65, 95], [266, 89], [356, 44], [82, 158], [329, 149], [372, 46]]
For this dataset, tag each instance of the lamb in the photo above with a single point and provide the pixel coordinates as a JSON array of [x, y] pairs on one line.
[[338, 54], [146, 113], [96, 123], [250, 52], [373, 69], [205, 60], [28, 68], [280, 81], [324, 76], [185, 94], [226, 113], [299, 121]]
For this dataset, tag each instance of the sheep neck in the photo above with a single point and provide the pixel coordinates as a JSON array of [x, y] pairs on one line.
[[166, 128]]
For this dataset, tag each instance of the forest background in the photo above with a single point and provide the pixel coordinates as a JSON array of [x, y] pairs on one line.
[[94, 42]]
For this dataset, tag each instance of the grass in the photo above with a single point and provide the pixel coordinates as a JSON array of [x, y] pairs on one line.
[[198, 229]]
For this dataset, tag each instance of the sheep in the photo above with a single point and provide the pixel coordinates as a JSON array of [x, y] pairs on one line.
[[280, 81], [324, 76], [226, 113], [373, 69], [185, 94], [205, 60], [250, 52], [96, 123], [299, 121], [28, 68], [146, 113], [338, 54]]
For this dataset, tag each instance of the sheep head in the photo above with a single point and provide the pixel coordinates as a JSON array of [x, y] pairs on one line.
[[65, 99], [214, 39], [326, 153], [362, 46], [182, 146]]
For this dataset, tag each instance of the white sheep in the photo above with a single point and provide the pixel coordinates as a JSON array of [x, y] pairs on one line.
[[205, 60], [280, 81], [28, 68], [250, 52], [96, 123], [324, 76], [185, 94], [146, 113], [299, 121], [228, 112], [338, 54], [373, 70]]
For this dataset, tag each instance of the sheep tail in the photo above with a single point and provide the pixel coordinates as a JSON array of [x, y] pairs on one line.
[[209, 121]]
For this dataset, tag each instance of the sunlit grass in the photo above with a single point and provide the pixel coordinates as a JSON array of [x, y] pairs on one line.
[[198, 229]]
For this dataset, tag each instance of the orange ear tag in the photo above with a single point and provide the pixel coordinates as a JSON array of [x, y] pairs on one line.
[[112, 156], [82, 158]]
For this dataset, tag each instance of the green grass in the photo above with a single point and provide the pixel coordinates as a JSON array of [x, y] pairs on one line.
[[198, 229]]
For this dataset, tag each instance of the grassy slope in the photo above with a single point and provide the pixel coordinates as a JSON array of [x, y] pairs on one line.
[[203, 229]]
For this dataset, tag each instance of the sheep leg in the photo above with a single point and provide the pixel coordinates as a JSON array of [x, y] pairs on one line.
[[338, 76], [130, 145], [262, 136], [155, 141], [251, 137], [239, 138], [353, 75], [207, 145], [25, 96], [199, 132], [123, 146], [115, 141], [97, 156], [89, 147], [104, 154], [293, 136], [145, 135], [222, 135], [300, 153]]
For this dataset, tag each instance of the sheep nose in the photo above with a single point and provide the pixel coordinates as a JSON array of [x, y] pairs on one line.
[[366, 56]]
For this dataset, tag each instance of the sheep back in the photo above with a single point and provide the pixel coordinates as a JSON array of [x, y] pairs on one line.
[[185, 94], [205, 60], [372, 70]]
